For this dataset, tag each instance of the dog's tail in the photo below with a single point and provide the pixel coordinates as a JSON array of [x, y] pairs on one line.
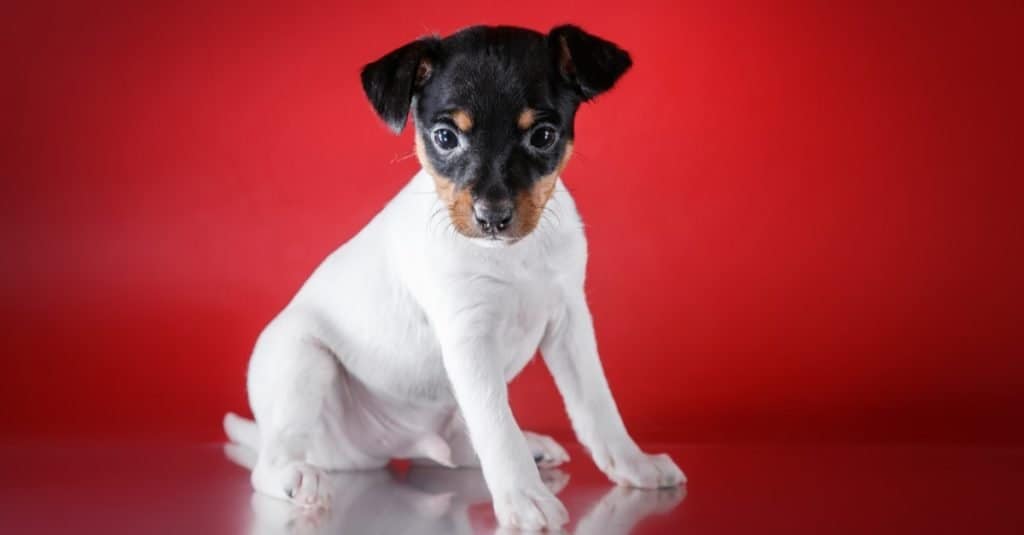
[[242, 431]]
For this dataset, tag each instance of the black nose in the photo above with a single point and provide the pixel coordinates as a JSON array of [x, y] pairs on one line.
[[493, 216]]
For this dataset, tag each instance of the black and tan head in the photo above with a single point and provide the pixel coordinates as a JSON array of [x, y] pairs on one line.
[[493, 109]]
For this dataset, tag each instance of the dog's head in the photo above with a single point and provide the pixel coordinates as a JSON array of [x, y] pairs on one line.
[[493, 109]]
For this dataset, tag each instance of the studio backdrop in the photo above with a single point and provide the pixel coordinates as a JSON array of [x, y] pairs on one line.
[[805, 218]]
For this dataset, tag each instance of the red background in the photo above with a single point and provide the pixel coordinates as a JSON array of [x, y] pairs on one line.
[[805, 219]]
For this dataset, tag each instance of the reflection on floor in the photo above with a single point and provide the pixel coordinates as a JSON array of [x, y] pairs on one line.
[[431, 501], [737, 489]]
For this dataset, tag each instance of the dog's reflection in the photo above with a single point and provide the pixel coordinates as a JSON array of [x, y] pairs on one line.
[[621, 508], [428, 501]]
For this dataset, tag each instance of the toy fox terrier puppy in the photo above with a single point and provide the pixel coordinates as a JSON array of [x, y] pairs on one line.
[[402, 342]]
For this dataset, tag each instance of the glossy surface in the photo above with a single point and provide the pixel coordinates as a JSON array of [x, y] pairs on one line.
[[115, 489]]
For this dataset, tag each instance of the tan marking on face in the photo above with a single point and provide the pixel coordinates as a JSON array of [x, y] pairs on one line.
[[530, 204], [458, 202], [462, 120], [526, 119]]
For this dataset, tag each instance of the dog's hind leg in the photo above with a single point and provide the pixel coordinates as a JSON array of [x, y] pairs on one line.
[[296, 390], [290, 419], [546, 452], [460, 453]]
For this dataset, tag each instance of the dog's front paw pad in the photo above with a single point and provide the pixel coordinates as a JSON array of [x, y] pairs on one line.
[[530, 509], [305, 484], [546, 452], [644, 471]]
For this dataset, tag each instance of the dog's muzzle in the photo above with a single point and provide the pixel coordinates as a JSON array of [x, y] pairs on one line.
[[493, 217]]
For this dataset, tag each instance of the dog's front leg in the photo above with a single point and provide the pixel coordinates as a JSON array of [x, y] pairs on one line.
[[475, 372], [569, 349]]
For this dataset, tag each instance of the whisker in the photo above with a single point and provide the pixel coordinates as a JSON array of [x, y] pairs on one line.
[[576, 153], [397, 159], [548, 210], [433, 216]]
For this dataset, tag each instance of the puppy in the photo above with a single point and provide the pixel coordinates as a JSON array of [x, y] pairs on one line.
[[401, 344]]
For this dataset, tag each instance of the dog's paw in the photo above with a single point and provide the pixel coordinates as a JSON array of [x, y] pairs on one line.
[[299, 482], [635, 468], [546, 452], [529, 509], [307, 485], [554, 479]]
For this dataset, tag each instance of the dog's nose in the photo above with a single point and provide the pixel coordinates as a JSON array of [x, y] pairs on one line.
[[493, 216]]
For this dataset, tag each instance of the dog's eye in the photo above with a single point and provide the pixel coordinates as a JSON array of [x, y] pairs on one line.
[[445, 139], [543, 137]]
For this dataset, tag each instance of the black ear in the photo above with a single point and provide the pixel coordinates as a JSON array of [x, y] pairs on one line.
[[391, 81], [586, 62]]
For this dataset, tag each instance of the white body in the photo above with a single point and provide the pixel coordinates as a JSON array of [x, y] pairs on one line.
[[401, 344]]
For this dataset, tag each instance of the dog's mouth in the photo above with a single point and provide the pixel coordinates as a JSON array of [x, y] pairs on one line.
[[494, 241], [487, 238]]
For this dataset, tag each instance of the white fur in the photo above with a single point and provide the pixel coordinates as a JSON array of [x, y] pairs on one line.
[[401, 343]]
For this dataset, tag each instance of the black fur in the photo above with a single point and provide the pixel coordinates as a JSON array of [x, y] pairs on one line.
[[391, 81], [493, 74], [593, 64]]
